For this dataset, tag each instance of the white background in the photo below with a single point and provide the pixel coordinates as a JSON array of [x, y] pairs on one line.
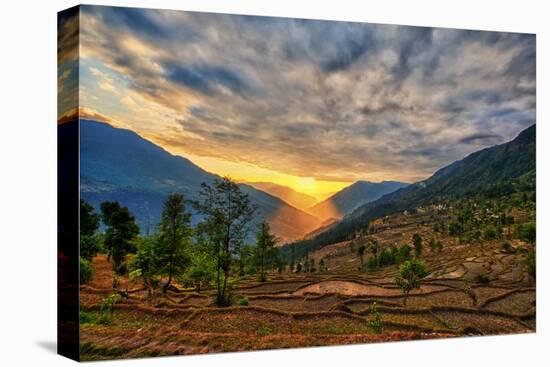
[[28, 105]]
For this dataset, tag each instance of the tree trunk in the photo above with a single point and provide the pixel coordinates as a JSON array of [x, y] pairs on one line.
[[225, 299], [173, 249]]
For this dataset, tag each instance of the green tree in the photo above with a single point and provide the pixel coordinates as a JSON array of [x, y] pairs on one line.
[[311, 265], [386, 258], [144, 263], [410, 277], [417, 243], [227, 213], [202, 270], [372, 262], [279, 261], [374, 247], [404, 253], [265, 250], [432, 244], [89, 219], [361, 252], [89, 223], [198, 276], [292, 258], [245, 256], [121, 230], [173, 238], [322, 265]]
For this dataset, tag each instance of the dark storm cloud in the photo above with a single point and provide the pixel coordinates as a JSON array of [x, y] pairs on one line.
[[415, 40], [390, 107], [205, 78], [339, 100], [145, 22], [480, 138]]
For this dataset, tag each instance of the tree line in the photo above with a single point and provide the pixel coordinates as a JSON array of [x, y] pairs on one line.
[[210, 254]]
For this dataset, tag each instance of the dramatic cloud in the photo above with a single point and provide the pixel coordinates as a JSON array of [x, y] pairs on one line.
[[67, 59], [330, 100]]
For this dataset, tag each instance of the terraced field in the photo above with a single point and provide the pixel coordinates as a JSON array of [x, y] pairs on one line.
[[472, 289]]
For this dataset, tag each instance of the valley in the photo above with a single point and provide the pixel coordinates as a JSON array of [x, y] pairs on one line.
[[229, 182], [453, 255], [472, 289]]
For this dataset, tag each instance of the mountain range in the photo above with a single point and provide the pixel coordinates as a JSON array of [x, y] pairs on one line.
[[293, 197], [118, 164], [348, 199], [497, 168]]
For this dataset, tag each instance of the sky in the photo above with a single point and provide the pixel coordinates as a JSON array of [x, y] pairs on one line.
[[313, 105]]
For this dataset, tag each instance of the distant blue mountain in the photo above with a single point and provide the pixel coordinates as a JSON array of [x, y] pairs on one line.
[[118, 164], [352, 197]]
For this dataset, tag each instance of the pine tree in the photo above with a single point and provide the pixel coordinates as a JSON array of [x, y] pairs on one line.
[[265, 250]]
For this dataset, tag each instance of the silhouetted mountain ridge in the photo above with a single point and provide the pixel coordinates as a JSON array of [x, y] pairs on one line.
[[118, 164], [293, 197]]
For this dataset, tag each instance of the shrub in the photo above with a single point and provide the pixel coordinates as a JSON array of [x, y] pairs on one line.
[[264, 330], [483, 279], [109, 302], [244, 302], [375, 324], [531, 264], [86, 271], [506, 247], [455, 229], [470, 330], [489, 233], [527, 232], [86, 318], [89, 246]]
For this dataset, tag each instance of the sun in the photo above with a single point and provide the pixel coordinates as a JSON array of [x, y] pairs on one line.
[[305, 184]]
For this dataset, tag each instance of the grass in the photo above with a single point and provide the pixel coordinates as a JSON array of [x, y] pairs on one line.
[[94, 318]]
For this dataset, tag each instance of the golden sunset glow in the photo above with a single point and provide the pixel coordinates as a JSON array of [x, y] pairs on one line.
[[245, 172], [317, 119]]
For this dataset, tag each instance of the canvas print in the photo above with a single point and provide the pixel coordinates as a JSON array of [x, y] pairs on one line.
[[237, 183]]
